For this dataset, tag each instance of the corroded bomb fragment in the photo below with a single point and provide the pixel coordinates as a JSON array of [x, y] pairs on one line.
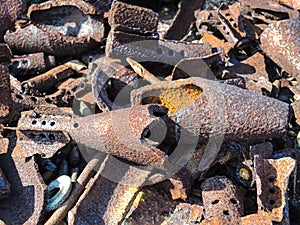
[[205, 108]]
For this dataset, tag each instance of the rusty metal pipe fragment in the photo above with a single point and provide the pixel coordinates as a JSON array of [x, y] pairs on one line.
[[132, 18], [281, 42], [31, 39], [126, 133], [206, 108], [43, 82], [32, 64]]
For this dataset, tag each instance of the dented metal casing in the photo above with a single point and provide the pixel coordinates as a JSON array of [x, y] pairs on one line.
[[206, 108]]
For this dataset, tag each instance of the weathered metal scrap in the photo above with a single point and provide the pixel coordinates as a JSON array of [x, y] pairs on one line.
[[67, 19], [267, 11], [126, 133], [5, 187], [131, 18], [221, 198], [185, 213], [272, 182], [10, 10], [142, 48], [41, 132], [183, 19], [207, 108], [32, 39], [43, 82], [115, 189], [5, 100], [31, 64], [28, 192], [281, 42], [5, 52]]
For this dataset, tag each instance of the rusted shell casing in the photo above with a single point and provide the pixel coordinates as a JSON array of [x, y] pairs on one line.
[[281, 42], [123, 133], [132, 18], [43, 82], [220, 110], [32, 39], [32, 64]]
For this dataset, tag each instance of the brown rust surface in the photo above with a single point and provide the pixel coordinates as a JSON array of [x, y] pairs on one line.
[[281, 42], [221, 198], [28, 198], [132, 18], [5, 100], [272, 182], [32, 39]]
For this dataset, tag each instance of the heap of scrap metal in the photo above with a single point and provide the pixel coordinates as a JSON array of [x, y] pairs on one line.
[[149, 112]]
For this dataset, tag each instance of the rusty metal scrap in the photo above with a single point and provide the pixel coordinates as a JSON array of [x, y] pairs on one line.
[[272, 182], [195, 114], [28, 192], [31, 64], [10, 11], [5, 52], [74, 22], [185, 213], [5, 100], [133, 123], [32, 39], [183, 19], [221, 197], [116, 196], [43, 82], [281, 42], [131, 18]]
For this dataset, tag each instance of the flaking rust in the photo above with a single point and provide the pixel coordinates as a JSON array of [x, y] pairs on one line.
[[281, 42], [211, 108], [272, 182]]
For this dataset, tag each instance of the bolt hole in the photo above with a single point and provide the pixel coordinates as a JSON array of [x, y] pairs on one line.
[[226, 212], [48, 100], [224, 28], [51, 137], [231, 19], [227, 34], [42, 136], [227, 14], [82, 85], [75, 125], [215, 202], [271, 190], [34, 122], [271, 179], [43, 122], [233, 201], [235, 25], [52, 123], [272, 202], [170, 52]]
